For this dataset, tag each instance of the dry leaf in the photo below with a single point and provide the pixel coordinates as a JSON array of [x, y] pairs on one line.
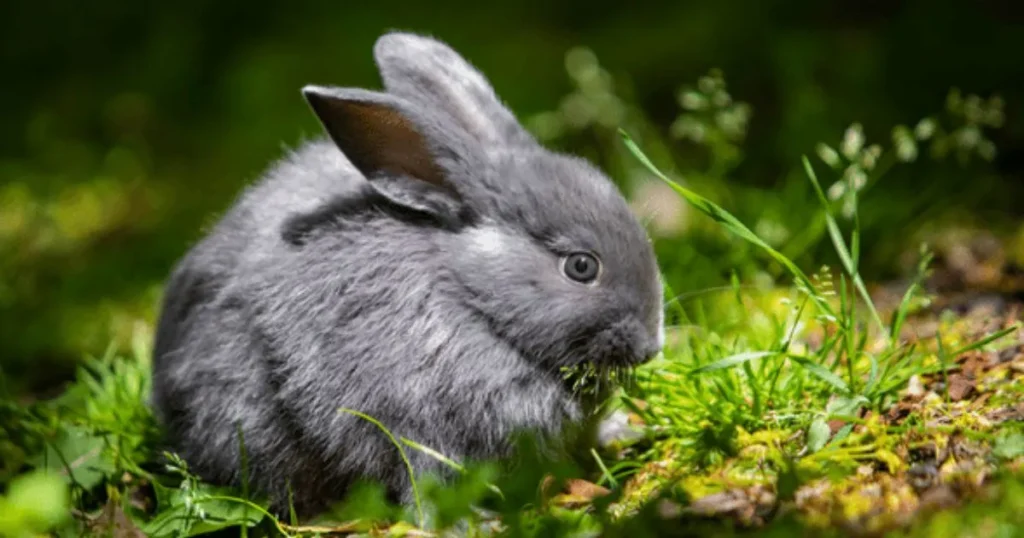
[[959, 387]]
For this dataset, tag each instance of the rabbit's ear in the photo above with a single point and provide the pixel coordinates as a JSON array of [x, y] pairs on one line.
[[397, 148], [375, 132], [432, 75]]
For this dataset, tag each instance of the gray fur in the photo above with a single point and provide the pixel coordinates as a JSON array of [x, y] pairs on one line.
[[424, 290]]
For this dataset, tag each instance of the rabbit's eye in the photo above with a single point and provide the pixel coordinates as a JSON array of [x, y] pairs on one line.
[[581, 267]]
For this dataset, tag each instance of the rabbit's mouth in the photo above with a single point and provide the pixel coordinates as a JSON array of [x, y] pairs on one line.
[[589, 379]]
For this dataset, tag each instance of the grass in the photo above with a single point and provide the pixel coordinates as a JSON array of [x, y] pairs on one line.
[[811, 408], [742, 402]]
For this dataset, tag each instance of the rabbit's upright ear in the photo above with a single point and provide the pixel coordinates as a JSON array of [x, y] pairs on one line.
[[397, 147], [432, 75]]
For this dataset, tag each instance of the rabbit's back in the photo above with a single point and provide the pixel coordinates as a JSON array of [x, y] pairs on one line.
[[249, 232]]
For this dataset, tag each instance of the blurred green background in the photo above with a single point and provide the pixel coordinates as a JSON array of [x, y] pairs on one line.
[[129, 126]]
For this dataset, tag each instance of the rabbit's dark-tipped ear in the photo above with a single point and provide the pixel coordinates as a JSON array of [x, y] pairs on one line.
[[393, 144], [432, 75], [375, 133]]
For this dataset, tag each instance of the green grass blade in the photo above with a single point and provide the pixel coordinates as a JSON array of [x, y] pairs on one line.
[[941, 351], [434, 454], [821, 372], [755, 388], [244, 455], [984, 341], [445, 460], [840, 245], [855, 235], [727, 220], [401, 452], [873, 374], [293, 517], [849, 321], [605, 473], [788, 340], [899, 317], [733, 360]]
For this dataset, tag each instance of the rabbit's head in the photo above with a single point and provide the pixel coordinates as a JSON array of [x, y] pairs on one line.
[[540, 245]]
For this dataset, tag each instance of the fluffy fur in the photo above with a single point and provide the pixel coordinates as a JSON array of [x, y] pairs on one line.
[[408, 267]]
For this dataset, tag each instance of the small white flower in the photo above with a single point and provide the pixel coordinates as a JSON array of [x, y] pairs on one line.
[[691, 100], [994, 117], [773, 232], [837, 190], [730, 123], [924, 129], [973, 110], [688, 127], [869, 157], [849, 208], [721, 99], [853, 141], [828, 155], [581, 63], [855, 177], [578, 111], [707, 84], [968, 136], [906, 151]]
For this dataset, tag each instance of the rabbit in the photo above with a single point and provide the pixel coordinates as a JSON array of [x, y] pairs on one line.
[[427, 263]]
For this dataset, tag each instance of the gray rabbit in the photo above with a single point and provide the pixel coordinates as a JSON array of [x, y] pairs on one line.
[[428, 264]]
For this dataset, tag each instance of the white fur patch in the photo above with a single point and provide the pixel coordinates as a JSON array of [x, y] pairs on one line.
[[437, 338], [488, 240]]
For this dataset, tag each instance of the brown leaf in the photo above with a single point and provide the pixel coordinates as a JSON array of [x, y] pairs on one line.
[[941, 496], [901, 411], [980, 401], [960, 387], [973, 363], [574, 493], [583, 488], [1007, 413]]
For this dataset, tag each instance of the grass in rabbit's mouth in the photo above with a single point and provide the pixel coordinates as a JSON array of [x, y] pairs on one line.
[[589, 379], [828, 407]]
